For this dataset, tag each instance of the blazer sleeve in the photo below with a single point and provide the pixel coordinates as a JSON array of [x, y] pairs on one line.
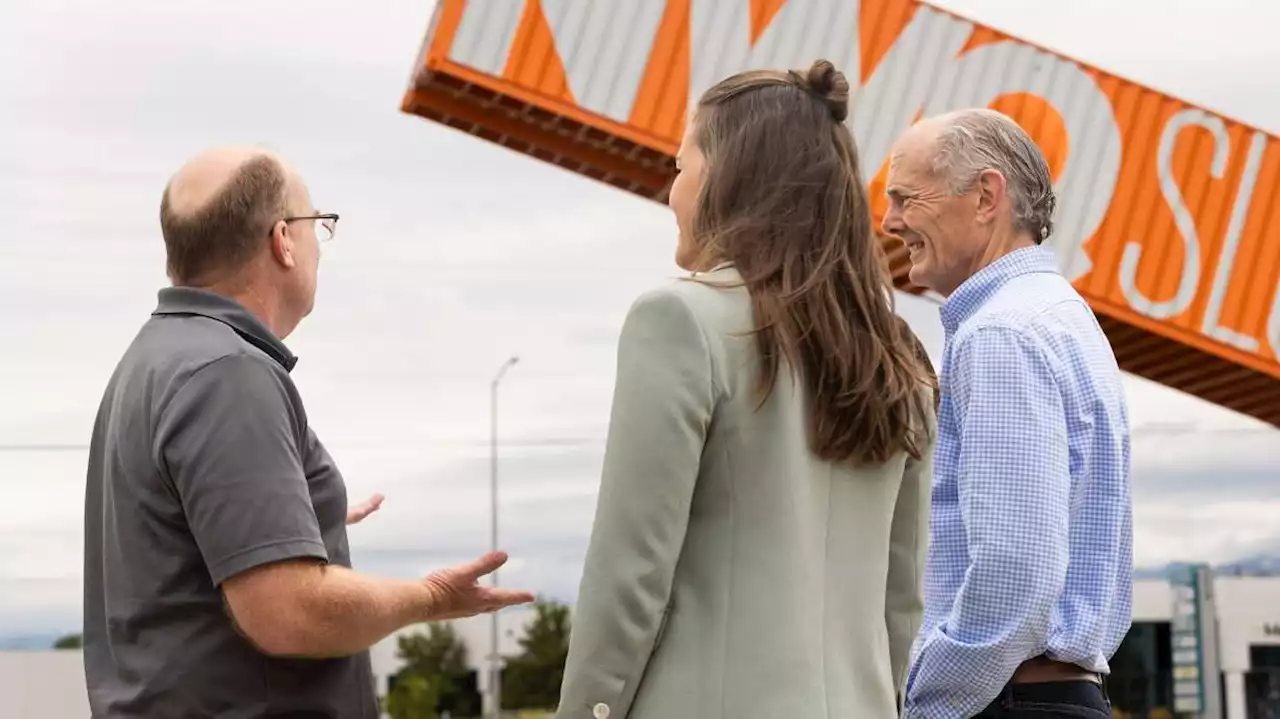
[[662, 406], [908, 546]]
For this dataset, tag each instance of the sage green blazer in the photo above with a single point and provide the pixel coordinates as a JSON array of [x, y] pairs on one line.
[[731, 573]]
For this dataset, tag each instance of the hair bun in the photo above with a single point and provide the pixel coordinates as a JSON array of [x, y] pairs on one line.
[[830, 85]]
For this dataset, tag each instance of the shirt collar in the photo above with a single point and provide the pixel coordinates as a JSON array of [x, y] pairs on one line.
[[722, 266], [203, 303], [979, 288]]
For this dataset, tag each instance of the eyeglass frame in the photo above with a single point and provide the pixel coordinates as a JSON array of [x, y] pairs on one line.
[[333, 216]]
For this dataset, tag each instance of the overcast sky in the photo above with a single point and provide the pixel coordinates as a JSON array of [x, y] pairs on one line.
[[452, 254]]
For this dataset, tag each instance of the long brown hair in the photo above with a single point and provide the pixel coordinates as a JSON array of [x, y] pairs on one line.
[[783, 200]]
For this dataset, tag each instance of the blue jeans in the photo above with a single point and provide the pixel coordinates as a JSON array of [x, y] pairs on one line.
[[1050, 700]]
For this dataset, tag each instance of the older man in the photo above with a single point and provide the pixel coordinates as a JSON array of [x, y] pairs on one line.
[[217, 579], [1028, 581]]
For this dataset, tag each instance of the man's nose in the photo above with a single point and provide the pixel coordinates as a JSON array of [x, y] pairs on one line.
[[892, 222]]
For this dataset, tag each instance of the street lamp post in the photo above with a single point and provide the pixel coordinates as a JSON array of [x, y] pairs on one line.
[[495, 661]]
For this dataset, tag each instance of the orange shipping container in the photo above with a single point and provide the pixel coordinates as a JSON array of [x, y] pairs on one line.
[[1164, 220]]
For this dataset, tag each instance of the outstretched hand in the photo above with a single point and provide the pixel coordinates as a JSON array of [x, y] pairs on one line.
[[364, 509], [456, 592]]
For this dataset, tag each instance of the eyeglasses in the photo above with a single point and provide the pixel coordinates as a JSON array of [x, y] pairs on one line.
[[326, 225]]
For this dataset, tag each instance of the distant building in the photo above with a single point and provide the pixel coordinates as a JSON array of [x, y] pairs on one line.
[[1248, 624], [43, 685]]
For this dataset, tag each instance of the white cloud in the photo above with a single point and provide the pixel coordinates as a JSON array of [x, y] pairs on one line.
[[1213, 531]]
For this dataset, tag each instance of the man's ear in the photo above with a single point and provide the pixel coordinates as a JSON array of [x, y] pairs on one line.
[[282, 245], [992, 189]]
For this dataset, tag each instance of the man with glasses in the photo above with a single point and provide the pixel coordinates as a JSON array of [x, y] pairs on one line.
[[217, 571]]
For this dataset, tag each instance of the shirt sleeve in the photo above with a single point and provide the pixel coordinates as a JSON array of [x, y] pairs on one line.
[[229, 441], [1014, 485], [663, 403]]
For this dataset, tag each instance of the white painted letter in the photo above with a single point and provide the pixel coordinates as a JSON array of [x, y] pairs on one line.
[[1231, 243], [1273, 326], [901, 83], [801, 32], [605, 48], [1181, 215], [483, 39]]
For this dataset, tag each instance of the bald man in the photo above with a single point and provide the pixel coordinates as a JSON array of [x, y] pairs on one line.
[[217, 572]]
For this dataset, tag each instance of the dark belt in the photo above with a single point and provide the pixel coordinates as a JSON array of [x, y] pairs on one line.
[[1040, 670]]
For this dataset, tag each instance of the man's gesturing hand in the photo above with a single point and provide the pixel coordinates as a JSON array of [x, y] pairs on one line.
[[455, 592]]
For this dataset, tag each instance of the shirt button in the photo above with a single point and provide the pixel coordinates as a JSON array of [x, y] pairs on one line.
[[600, 711]]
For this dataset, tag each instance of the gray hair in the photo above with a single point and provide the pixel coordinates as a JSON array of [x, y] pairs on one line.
[[972, 141]]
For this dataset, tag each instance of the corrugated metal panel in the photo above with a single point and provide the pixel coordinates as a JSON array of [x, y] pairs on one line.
[[1164, 220]]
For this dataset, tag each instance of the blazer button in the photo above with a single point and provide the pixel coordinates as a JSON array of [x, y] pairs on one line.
[[600, 711]]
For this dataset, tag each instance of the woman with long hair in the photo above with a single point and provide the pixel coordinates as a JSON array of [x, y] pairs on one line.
[[764, 507]]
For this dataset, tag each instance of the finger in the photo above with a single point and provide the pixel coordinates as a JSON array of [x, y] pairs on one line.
[[484, 565], [498, 597], [364, 509], [486, 601], [372, 504]]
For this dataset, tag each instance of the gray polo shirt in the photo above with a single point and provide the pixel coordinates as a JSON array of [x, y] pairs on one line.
[[202, 465]]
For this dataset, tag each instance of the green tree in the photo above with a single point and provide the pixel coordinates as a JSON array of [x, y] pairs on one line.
[[70, 641], [414, 697], [532, 679], [434, 676], [437, 652]]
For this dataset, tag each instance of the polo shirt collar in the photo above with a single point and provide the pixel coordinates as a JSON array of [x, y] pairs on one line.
[[192, 301], [979, 288]]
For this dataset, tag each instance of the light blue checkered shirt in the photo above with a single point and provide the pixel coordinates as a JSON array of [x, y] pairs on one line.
[[1031, 549]]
